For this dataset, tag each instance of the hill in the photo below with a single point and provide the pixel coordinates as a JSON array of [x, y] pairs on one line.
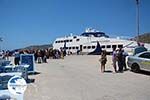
[[144, 38], [45, 46]]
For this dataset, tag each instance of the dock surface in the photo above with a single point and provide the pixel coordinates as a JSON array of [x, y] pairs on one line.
[[79, 78]]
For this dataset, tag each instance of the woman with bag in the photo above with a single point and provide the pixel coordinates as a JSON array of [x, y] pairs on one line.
[[103, 60]]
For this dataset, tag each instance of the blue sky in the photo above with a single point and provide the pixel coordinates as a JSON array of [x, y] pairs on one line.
[[29, 22]]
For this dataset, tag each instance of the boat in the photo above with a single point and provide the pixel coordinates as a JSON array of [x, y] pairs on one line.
[[92, 42]]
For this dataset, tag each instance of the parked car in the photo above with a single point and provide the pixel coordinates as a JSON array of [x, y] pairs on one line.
[[139, 61]]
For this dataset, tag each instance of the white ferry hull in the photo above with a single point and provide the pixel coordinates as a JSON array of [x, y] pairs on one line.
[[88, 44]]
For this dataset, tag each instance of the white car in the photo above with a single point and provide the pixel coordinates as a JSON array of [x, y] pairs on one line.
[[139, 61]]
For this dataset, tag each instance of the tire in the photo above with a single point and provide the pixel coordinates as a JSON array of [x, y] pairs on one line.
[[135, 68]]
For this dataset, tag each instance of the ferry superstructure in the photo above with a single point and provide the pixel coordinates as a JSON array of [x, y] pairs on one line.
[[91, 41]]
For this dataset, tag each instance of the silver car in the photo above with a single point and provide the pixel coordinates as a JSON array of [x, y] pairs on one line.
[[139, 61]]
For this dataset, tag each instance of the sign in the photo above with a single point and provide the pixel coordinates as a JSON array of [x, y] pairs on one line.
[[17, 85], [28, 59], [5, 93]]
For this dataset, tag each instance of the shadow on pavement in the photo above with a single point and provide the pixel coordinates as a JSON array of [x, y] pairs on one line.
[[144, 72], [127, 69], [108, 71], [34, 73], [30, 81]]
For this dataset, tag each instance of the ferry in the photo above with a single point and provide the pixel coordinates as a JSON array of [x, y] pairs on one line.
[[92, 42]]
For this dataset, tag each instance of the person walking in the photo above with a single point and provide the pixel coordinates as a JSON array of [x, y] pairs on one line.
[[44, 56], [61, 54], [17, 57], [114, 59], [103, 60], [39, 56], [7, 55]]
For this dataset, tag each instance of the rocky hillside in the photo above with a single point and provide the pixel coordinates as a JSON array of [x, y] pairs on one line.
[[45, 46], [144, 38]]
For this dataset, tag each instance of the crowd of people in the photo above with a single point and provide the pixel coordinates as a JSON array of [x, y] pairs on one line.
[[40, 55], [119, 57], [118, 60], [4, 54]]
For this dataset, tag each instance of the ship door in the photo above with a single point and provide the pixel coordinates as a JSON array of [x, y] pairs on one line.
[[81, 47]]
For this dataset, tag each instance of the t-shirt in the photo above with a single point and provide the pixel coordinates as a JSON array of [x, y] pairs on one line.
[[17, 55], [114, 55]]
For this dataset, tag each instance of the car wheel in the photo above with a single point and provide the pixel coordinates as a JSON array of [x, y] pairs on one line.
[[135, 68]]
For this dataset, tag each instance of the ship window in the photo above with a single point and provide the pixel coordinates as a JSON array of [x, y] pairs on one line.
[[70, 40], [93, 47], [114, 46], [67, 40], [89, 47], [77, 47], [74, 37], [77, 39], [145, 55], [73, 47], [56, 41], [103, 46], [120, 46], [69, 47], [108, 46], [66, 47], [84, 47], [61, 41]]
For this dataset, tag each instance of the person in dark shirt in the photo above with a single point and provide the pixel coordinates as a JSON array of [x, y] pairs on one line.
[[120, 60], [17, 58], [140, 48]]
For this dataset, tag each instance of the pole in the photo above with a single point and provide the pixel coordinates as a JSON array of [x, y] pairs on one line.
[[137, 20], [1, 40]]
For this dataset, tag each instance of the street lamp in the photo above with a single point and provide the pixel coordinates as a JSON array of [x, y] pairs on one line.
[[137, 19]]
